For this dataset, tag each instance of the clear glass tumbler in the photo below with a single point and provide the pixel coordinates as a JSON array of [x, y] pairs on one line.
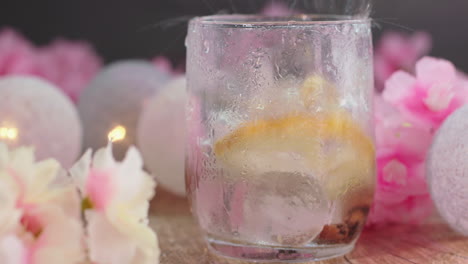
[[280, 159]]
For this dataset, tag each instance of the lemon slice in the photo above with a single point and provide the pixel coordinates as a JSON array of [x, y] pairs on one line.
[[331, 145], [316, 91]]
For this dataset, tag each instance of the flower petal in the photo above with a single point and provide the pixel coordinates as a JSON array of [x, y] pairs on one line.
[[104, 159], [421, 43], [106, 244], [61, 239], [431, 70], [130, 176], [134, 228], [9, 215], [12, 250], [45, 173], [80, 171], [398, 87], [4, 155]]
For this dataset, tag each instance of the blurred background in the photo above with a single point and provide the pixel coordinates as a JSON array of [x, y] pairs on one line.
[[120, 29]]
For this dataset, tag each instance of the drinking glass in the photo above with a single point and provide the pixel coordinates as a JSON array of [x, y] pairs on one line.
[[280, 160]]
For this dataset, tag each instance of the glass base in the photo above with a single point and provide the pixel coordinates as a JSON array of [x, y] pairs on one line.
[[277, 254]]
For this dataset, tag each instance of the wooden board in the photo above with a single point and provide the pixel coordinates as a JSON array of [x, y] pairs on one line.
[[432, 243]]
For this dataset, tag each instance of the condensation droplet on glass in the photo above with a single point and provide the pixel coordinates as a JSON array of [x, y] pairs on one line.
[[258, 63], [206, 46]]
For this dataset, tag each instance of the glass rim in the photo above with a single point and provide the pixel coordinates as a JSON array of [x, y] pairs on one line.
[[263, 21]]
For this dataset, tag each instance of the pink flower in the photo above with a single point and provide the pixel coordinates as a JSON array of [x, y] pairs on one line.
[[69, 65], [401, 195], [407, 115], [400, 132], [39, 211], [402, 142], [431, 95], [397, 51], [115, 198], [17, 55]]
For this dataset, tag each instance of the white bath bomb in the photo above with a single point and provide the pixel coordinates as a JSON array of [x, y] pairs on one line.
[[447, 170], [34, 112], [111, 105], [161, 135]]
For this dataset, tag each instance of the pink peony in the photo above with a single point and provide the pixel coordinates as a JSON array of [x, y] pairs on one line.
[[401, 192], [431, 95], [397, 51], [69, 65]]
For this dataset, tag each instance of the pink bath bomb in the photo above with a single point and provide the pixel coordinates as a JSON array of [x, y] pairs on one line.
[[34, 112], [161, 135], [114, 100], [447, 170]]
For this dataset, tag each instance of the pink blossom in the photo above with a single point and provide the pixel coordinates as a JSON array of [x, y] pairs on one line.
[[402, 142], [431, 95], [116, 198], [397, 51], [401, 195], [40, 213], [407, 115], [17, 55], [69, 65]]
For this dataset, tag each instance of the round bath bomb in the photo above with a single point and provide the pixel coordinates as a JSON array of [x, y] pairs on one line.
[[111, 105], [36, 113], [447, 170], [161, 135]]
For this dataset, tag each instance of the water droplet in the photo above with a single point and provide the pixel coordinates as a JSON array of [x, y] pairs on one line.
[[258, 63], [206, 46]]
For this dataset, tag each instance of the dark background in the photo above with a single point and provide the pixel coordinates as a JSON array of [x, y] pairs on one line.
[[145, 28]]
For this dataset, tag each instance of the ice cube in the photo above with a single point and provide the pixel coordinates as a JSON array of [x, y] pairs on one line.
[[284, 208]]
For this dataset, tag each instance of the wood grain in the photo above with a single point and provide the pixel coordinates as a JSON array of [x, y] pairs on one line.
[[432, 243]]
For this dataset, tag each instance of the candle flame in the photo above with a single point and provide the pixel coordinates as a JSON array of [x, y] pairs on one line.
[[117, 134], [10, 133]]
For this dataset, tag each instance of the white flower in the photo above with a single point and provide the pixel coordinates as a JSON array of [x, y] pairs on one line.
[[116, 201], [39, 211], [12, 250]]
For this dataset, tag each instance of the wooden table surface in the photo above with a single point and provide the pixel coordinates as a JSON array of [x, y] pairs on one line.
[[433, 243]]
